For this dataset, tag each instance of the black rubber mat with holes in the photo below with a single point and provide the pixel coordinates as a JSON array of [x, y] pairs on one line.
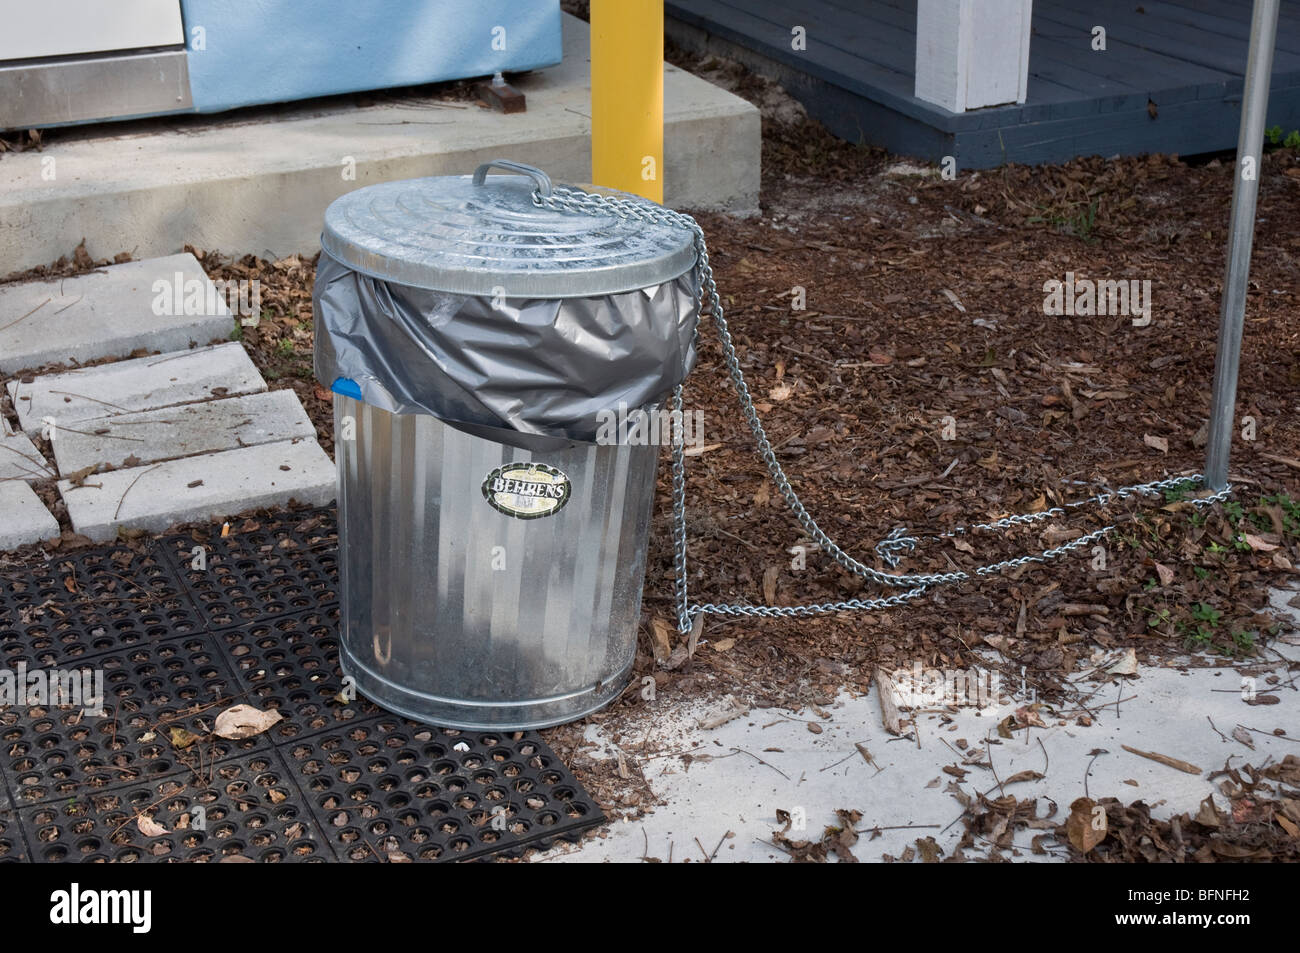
[[239, 806], [13, 847], [234, 587], [90, 602], [388, 788], [182, 629], [290, 663], [150, 690]]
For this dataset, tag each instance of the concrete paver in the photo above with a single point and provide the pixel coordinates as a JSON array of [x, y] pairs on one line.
[[211, 486], [23, 517], [169, 432], [110, 313], [142, 383]]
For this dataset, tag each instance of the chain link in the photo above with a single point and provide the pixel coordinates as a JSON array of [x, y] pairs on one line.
[[888, 549]]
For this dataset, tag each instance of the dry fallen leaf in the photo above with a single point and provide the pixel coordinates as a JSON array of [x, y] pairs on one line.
[[181, 738], [929, 850], [1027, 715], [149, 827], [1208, 813], [661, 640], [1156, 443], [1257, 544], [244, 721], [1020, 776], [1086, 827], [1127, 665]]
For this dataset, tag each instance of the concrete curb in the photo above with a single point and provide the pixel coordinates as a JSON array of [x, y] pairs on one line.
[[262, 186]]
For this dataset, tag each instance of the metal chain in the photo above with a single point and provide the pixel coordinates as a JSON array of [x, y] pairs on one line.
[[576, 200]]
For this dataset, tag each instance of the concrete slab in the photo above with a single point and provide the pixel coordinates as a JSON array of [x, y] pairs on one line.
[[211, 486], [739, 774], [20, 460], [108, 313], [142, 383], [23, 517], [263, 186], [170, 432]]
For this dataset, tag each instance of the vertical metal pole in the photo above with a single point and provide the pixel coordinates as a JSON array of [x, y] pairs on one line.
[[1232, 312], [627, 96]]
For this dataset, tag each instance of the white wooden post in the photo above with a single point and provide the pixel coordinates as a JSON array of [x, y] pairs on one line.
[[972, 53]]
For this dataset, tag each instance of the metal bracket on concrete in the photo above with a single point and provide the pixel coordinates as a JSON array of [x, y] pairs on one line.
[[501, 96]]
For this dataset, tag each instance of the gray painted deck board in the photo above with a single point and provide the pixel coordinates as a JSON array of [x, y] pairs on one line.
[[1173, 40], [1186, 56]]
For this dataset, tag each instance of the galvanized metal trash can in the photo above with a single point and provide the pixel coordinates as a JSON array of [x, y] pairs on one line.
[[492, 524]]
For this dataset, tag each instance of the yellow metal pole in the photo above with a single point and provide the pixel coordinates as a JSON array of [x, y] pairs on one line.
[[627, 96]]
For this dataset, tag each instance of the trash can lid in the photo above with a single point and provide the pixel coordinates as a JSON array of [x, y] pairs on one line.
[[482, 235]]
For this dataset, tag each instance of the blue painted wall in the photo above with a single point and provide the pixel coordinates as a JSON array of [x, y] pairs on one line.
[[266, 51]]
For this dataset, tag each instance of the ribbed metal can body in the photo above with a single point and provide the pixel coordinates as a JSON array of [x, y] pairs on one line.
[[467, 602]]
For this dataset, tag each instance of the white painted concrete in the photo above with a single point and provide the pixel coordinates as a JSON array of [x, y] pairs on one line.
[[184, 431], [726, 788], [107, 313], [23, 517], [210, 486], [263, 186], [143, 383]]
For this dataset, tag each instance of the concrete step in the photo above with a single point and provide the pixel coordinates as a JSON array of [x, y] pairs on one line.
[[107, 313], [23, 517], [170, 432], [262, 186], [207, 487], [142, 383]]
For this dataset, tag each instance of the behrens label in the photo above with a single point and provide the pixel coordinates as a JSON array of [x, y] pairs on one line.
[[527, 491]]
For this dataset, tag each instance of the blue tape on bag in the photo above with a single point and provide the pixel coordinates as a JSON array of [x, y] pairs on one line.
[[347, 387]]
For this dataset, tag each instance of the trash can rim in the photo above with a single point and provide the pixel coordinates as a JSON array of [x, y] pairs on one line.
[[442, 233]]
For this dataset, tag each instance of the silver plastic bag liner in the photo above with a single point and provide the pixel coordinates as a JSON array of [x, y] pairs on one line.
[[532, 373]]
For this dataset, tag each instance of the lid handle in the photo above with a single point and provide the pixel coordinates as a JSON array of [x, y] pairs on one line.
[[541, 181]]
